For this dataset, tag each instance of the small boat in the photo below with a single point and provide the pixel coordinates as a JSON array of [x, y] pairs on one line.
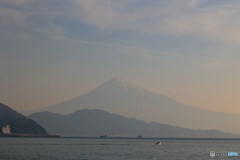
[[104, 136], [140, 136], [158, 143]]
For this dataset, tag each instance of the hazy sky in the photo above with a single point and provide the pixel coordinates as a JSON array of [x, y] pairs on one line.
[[55, 50]]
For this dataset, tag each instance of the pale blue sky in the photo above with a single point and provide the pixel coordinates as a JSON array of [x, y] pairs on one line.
[[55, 50]]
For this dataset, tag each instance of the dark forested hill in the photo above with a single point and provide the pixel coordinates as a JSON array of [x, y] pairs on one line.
[[19, 124]]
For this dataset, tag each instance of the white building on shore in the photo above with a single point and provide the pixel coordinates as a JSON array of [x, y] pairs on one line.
[[6, 130]]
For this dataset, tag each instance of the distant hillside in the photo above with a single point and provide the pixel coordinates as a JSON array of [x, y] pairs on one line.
[[123, 97], [98, 122], [19, 124]]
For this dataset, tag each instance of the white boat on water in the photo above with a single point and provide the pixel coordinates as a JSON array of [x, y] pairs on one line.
[[159, 143]]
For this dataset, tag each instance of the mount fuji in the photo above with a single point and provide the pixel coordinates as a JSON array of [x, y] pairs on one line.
[[123, 97]]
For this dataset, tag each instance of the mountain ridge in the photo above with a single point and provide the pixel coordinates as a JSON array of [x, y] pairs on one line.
[[123, 97], [97, 122]]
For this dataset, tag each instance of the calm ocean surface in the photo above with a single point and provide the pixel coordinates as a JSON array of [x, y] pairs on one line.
[[113, 148]]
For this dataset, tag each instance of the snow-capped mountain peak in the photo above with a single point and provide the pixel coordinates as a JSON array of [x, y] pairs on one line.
[[121, 84]]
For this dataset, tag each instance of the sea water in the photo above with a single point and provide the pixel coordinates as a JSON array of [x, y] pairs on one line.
[[115, 148]]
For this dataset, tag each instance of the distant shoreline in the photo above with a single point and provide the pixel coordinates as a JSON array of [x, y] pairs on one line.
[[144, 138], [162, 138], [28, 135]]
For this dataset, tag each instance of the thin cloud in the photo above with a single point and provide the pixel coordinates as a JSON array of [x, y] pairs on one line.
[[196, 18], [143, 53], [212, 22]]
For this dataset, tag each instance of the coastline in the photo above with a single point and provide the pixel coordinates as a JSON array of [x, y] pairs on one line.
[[28, 135]]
